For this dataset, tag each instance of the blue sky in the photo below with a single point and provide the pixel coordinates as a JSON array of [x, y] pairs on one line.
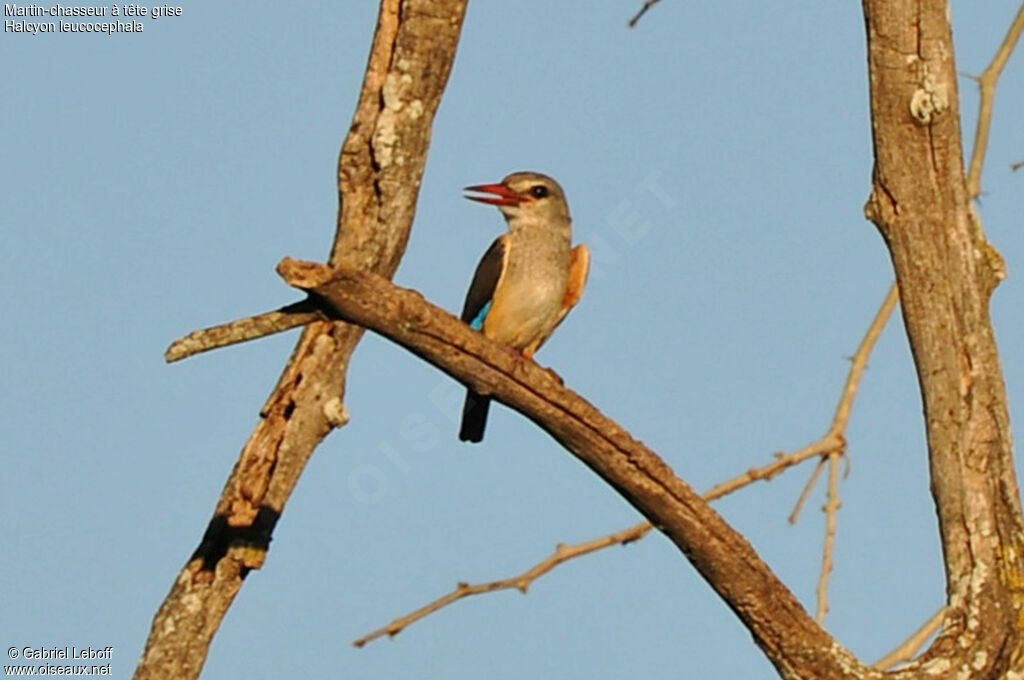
[[152, 182]]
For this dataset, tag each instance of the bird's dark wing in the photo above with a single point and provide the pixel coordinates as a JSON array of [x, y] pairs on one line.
[[485, 280]]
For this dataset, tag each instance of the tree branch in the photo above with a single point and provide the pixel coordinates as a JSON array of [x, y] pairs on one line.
[[832, 442], [643, 10], [790, 638], [812, 481], [291, 316], [379, 173], [946, 272], [907, 649], [522, 582], [831, 510], [987, 82]]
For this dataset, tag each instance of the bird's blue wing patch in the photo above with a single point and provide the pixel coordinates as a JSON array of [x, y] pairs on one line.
[[478, 321]]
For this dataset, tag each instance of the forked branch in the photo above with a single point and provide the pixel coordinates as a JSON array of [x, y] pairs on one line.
[[412, 53]]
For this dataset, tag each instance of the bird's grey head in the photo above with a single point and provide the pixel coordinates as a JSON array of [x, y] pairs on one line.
[[526, 195]]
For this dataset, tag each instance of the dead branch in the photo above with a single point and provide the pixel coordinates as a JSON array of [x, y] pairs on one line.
[[832, 442], [412, 53], [791, 639], [947, 271], [250, 328]]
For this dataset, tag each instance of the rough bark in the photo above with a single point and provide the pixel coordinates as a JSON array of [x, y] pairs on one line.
[[379, 173], [946, 272]]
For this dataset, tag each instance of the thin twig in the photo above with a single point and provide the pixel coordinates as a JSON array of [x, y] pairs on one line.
[[378, 194], [987, 82], [839, 422], [908, 650], [564, 553], [845, 407], [241, 330], [522, 582], [1017, 166], [768, 472], [812, 480], [860, 362], [832, 443], [831, 509], [643, 10]]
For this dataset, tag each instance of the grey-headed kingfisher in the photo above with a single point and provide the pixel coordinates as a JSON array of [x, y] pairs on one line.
[[529, 278]]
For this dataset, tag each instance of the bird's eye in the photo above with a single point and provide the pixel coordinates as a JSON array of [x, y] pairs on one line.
[[539, 191]]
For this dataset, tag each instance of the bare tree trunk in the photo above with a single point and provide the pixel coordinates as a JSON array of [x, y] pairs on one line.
[[379, 175], [947, 272]]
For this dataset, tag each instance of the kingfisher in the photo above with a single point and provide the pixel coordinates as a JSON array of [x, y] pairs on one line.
[[528, 279]]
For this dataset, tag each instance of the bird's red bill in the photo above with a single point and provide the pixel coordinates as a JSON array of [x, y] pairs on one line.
[[503, 195]]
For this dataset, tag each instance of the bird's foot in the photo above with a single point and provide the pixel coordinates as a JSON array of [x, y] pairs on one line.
[[528, 356]]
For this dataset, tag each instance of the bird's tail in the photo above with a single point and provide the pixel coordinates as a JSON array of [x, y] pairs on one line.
[[474, 417]]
